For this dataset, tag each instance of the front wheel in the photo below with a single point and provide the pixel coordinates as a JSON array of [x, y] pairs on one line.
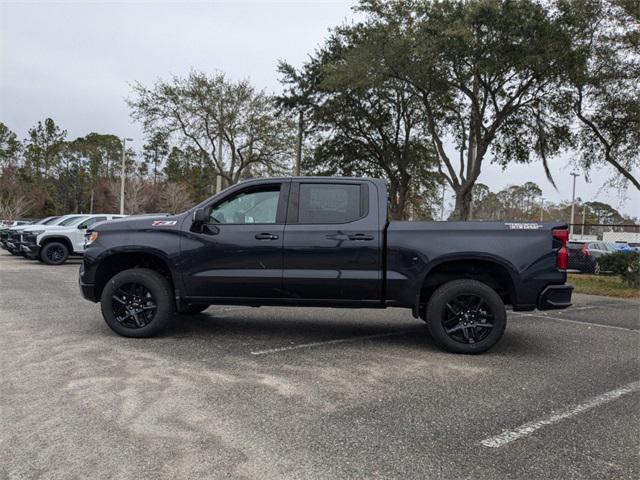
[[466, 316], [54, 253], [137, 303]]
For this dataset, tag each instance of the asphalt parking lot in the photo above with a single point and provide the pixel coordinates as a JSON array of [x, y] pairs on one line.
[[266, 393]]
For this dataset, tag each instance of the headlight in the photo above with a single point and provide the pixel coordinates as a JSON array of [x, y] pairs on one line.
[[36, 232], [91, 237]]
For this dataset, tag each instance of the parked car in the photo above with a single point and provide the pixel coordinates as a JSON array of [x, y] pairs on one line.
[[621, 247], [324, 242], [53, 244], [586, 260], [6, 226], [10, 237]]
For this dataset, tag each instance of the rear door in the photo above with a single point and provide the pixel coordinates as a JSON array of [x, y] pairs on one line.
[[332, 243]]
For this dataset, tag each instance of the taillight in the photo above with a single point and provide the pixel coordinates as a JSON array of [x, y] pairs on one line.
[[563, 254]]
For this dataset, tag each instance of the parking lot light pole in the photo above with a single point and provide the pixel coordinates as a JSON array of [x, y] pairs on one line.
[[123, 173], [573, 204]]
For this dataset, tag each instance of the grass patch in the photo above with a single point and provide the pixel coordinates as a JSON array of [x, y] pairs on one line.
[[607, 285]]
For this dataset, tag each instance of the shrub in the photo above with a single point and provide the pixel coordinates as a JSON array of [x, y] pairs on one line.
[[625, 264]]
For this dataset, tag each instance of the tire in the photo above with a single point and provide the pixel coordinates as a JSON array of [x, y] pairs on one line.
[[459, 314], [135, 290], [195, 308], [54, 253]]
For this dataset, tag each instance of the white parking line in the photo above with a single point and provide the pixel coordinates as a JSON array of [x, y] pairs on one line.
[[526, 429], [579, 322], [331, 342]]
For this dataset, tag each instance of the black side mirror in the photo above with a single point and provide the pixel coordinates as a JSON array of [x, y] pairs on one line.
[[200, 215]]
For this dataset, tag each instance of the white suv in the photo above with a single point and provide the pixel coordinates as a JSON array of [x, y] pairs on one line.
[[53, 244]]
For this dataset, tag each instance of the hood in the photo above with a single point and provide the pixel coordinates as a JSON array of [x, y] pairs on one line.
[[27, 228], [137, 222]]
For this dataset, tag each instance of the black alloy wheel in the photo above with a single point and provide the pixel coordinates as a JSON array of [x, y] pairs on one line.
[[133, 305], [467, 319], [55, 254], [137, 303], [465, 316]]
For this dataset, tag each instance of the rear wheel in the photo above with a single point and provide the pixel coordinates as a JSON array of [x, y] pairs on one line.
[[137, 303], [54, 253], [466, 316]]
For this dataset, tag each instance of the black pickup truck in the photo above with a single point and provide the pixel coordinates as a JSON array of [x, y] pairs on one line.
[[321, 241]]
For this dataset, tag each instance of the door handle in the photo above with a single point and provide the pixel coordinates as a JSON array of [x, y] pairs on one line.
[[360, 236], [266, 236]]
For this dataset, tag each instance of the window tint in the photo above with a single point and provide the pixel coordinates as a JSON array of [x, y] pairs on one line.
[[253, 206], [71, 221], [329, 203], [90, 222]]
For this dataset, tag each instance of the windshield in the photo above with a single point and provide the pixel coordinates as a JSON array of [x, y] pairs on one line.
[[72, 221], [49, 221]]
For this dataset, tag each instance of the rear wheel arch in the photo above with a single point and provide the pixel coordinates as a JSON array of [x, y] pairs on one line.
[[489, 271]]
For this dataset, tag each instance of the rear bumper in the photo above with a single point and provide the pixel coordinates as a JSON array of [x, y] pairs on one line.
[[555, 297]]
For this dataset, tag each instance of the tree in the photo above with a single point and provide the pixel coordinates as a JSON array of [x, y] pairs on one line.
[[43, 148], [603, 85], [95, 156], [175, 198], [484, 70], [10, 147], [297, 97], [209, 112], [155, 152], [365, 128]]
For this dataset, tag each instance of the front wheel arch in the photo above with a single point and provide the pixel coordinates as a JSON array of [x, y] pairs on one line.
[[114, 263]]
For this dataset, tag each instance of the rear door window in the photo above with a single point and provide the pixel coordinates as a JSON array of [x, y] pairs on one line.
[[324, 203]]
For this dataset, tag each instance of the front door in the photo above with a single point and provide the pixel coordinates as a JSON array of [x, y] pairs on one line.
[[332, 245], [238, 252]]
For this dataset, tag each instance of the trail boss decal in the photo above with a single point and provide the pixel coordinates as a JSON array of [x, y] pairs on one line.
[[524, 226], [163, 223]]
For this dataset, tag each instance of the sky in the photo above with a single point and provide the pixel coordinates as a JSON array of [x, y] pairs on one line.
[[74, 61]]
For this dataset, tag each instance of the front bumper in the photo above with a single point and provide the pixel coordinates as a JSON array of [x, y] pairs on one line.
[[30, 250], [88, 290], [555, 297]]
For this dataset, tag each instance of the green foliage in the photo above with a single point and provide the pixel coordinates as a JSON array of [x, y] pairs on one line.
[[602, 85], [364, 127], [625, 264], [10, 147], [234, 128], [481, 75]]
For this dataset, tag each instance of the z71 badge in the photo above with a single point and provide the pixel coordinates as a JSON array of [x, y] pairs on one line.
[[163, 223], [524, 226]]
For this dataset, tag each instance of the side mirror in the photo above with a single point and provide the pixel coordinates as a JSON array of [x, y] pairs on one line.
[[199, 215], [81, 227]]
